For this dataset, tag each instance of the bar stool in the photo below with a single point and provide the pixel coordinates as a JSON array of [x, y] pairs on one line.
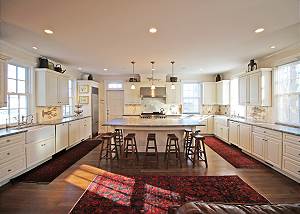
[[187, 140], [198, 151], [119, 139], [172, 147], [189, 144], [130, 146], [151, 138], [106, 146]]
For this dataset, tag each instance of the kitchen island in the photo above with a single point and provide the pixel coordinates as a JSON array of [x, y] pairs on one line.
[[160, 126]]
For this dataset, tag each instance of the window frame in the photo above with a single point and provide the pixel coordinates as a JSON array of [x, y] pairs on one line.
[[71, 98], [27, 93], [199, 97]]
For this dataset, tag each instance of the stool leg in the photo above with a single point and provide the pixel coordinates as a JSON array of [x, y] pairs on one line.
[[204, 153], [196, 153], [156, 152], [178, 150], [101, 150], [166, 149], [136, 150]]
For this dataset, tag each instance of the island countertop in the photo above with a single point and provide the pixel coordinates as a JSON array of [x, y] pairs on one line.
[[159, 122]]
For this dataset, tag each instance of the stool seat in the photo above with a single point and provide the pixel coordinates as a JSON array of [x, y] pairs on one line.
[[107, 135], [129, 136], [151, 136], [188, 130], [197, 136]]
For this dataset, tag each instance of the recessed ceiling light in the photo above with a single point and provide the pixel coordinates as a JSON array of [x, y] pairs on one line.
[[35, 48], [259, 30], [201, 69], [48, 31], [152, 30], [105, 69], [272, 47], [79, 68]]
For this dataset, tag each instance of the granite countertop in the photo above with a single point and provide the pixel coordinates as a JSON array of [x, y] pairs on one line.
[[63, 120], [8, 132], [166, 122], [272, 126]]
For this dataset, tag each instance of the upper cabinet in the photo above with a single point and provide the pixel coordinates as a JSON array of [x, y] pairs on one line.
[[216, 93], [255, 88], [173, 96], [209, 93], [223, 90], [3, 86], [132, 96], [51, 88]]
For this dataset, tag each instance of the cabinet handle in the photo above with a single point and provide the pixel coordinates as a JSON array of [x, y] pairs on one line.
[[9, 170], [8, 140]]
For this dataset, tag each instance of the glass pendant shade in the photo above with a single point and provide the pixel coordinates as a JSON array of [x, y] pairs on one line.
[[132, 87], [173, 86], [152, 87]]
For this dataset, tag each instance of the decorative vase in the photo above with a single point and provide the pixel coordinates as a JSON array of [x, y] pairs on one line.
[[218, 78], [252, 65]]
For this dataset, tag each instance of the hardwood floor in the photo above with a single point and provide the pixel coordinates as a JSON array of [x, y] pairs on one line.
[[60, 195]]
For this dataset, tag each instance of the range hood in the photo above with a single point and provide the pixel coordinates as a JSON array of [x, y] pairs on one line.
[[158, 92]]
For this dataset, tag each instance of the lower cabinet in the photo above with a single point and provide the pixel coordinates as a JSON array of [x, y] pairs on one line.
[[245, 137], [39, 151], [61, 136], [12, 168], [234, 129], [86, 128], [273, 153], [74, 132], [258, 149]]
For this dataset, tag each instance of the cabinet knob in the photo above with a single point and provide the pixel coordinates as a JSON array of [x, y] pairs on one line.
[[8, 140], [9, 170], [9, 153]]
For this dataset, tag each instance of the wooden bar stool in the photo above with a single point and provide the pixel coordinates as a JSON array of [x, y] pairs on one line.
[[130, 146], [187, 140], [151, 138], [172, 147], [106, 146], [198, 150], [119, 139], [190, 145]]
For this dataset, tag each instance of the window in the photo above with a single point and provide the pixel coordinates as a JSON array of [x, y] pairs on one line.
[[68, 110], [235, 108], [17, 95], [191, 98], [287, 93], [114, 85]]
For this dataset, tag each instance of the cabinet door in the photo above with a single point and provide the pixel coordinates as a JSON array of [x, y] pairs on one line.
[[51, 89], [243, 92], [245, 137], [273, 152], [85, 128], [219, 93], [234, 133], [254, 89], [258, 146], [63, 91], [3, 86], [209, 93], [62, 137], [74, 132]]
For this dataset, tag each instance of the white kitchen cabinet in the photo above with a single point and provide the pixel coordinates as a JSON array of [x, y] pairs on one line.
[[273, 153], [223, 92], [258, 148], [12, 156], [209, 93], [85, 128], [255, 88], [243, 90], [173, 96], [74, 132], [51, 88], [234, 129], [132, 96], [221, 128], [39, 151], [3, 83], [63, 90], [61, 136], [245, 137], [209, 126]]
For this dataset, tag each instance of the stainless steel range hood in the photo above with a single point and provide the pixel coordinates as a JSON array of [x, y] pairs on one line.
[[158, 92]]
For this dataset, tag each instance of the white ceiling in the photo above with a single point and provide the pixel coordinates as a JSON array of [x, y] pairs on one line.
[[202, 36]]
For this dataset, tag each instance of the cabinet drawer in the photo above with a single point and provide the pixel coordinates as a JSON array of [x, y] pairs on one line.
[[291, 166], [37, 152], [11, 168], [12, 151], [6, 141], [272, 133], [291, 150], [292, 138]]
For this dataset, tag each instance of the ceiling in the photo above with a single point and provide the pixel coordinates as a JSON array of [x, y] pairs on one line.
[[202, 36]]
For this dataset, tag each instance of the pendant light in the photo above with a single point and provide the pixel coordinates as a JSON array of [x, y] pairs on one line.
[[152, 69], [132, 86], [172, 86]]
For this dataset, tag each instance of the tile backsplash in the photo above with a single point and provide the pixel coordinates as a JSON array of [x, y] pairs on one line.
[[259, 113], [215, 109]]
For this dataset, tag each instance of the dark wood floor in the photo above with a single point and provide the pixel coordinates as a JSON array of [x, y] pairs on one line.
[[60, 195]]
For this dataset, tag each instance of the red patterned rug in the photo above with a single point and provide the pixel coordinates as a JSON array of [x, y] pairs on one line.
[[232, 154], [112, 193]]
